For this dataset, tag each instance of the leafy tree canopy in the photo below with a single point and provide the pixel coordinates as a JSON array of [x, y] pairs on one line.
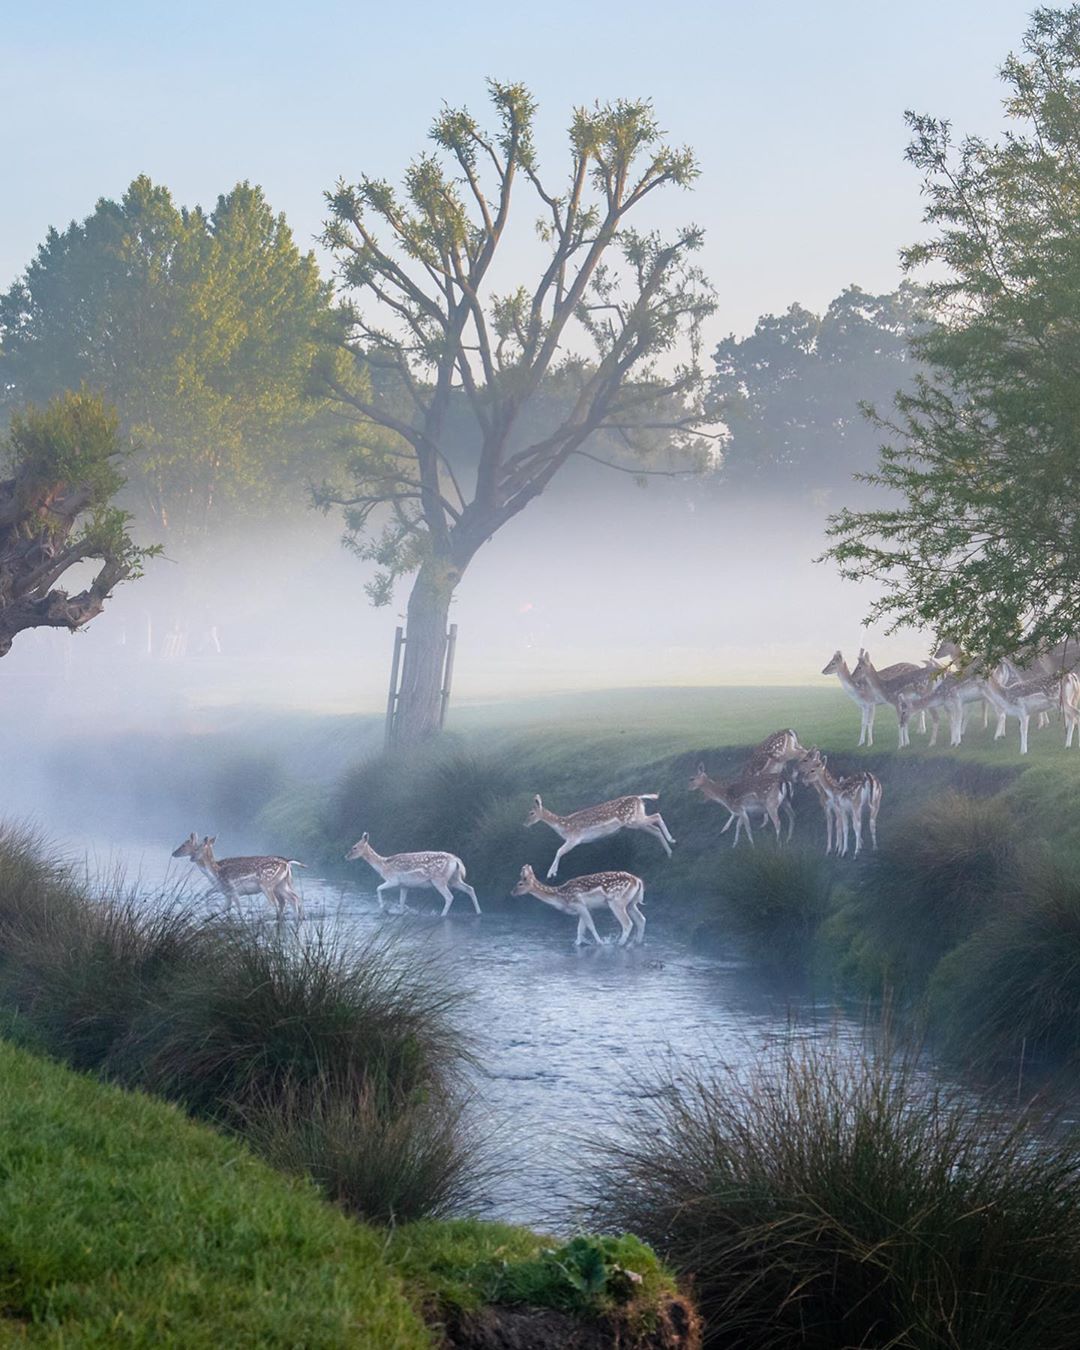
[[200, 328], [985, 450], [56, 512], [607, 330], [790, 394]]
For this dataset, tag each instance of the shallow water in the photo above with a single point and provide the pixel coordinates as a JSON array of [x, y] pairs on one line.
[[563, 1035]]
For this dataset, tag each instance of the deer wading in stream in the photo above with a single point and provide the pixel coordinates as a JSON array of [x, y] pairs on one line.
[[621, 892], [233, 877], [443, 872]]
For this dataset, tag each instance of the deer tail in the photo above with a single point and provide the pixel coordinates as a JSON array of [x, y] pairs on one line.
[[295, 862], [649, 796]]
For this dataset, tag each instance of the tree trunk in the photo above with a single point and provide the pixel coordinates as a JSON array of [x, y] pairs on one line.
[[417, 716]]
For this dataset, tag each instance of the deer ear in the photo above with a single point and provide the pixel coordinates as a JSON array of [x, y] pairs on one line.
[[364, 837], [537, 801], [193, 838], [701, 768]]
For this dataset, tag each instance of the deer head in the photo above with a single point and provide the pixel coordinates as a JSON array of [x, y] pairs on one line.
[[835, 662], [189, 848], [811, 766], [361, 849], [536, 812], [526, 882], [862, 667], [699, 779]]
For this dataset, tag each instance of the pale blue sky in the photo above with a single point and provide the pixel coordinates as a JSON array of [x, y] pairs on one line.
[[795, 109]]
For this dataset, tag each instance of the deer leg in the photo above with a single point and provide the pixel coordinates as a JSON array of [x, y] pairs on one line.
[[745, 818], [565, 847], [585, 923], [650, 828], [731, 817], [623, 922], [786, 806], [999, 730], [855, 811], [658, 819], [922, 722], [638, 920], [875, 805], [447, 895], [463, 885], [1025, 719], [774, 816]]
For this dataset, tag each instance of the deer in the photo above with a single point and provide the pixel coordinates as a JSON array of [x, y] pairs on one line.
[[843, 801], [268, 875], [762, 795], [1040, 694], [893, 684], [621, 892], [861, 696], [774, 754], [443, 872], [597, 822]]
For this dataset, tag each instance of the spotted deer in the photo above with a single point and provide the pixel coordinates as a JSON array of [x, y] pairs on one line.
[[761, 795], [1040, 694], [893, 685], [774, 754], [859, 694], [443, 872], [844, 801], [597, 822], [233, 877], [621, 892]]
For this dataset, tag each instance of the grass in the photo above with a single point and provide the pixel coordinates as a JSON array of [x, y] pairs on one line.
[[837, 1199], [126, 1225], [1012, 991], [341, 1062]]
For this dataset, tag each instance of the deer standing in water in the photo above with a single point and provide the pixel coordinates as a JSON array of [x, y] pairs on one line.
[[233, 877], [762, 795], [843, 801], [621, 892], [443, 872], [597, 822]]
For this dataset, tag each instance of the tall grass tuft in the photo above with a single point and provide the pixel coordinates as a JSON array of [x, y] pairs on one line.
[[774, 899], [274, 1012], [836, 1199], [1013, 989], [382, 1161], [938, 876]]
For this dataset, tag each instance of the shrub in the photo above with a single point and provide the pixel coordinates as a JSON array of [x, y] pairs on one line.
[[774, 900], [937, 877], [384, 1161], [269, 1013], [835, 1198], [1013, 989]]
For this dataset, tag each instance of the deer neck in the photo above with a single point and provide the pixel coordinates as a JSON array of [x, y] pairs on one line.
[[843, 674], [549, 895], [377, 861]]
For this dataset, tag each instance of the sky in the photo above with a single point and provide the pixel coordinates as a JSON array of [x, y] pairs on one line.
[[794, 109]]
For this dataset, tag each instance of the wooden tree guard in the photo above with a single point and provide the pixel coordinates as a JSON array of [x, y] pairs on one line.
[[397, 672]]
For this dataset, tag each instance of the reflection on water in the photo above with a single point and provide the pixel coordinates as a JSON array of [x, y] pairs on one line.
[[563, 1034]]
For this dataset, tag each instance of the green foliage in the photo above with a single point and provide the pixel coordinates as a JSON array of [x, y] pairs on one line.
[[836, 1198], [790, 394], [1012, 991], [983, 450], [339, 1062], [774, 900], [56, 512], [938, 876], [126, 1225], [201, 328]]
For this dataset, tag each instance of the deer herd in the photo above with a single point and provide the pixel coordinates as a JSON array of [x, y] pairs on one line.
[[762, 793]]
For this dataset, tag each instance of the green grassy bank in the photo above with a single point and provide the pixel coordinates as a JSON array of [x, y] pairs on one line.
[[122, 1223]]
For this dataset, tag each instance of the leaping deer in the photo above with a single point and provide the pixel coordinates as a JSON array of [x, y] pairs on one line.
[[621, 892], [843, 801], [597, 822], [233, 877], [444, 872], [763, 794]]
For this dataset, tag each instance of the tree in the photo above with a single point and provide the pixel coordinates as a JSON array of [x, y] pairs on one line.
[[200, 329], [56, 512], [790, 393], [985, 450], [430, 336]]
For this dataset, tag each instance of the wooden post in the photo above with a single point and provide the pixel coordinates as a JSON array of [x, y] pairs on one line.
[[448, 675], [391, 702]]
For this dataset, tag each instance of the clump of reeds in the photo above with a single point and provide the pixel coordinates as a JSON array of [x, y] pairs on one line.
[[774, 899], [1012, 991], [833, 1197]]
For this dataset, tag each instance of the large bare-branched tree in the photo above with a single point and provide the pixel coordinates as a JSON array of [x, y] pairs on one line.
[[56, 513], [608, 332]]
